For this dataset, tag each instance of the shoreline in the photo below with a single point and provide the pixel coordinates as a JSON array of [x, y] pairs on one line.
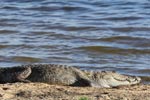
[[42, 91]]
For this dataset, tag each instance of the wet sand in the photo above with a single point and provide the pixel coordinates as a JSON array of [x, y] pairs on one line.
[[41, 91]]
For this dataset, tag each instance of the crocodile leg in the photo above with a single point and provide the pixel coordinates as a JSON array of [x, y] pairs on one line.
[[21, 76], [82, 83]]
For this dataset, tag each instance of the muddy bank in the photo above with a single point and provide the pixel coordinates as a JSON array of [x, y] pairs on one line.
[[41, 91]]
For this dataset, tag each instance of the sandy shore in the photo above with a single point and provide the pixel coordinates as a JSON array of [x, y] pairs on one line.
[[41, 91]]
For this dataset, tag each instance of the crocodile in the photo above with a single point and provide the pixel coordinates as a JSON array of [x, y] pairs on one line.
[[64, 75]]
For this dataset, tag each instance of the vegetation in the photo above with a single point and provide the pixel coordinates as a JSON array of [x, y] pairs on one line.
[[84, 98]]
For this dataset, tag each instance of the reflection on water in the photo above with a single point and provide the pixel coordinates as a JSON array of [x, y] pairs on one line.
[[95, 35]]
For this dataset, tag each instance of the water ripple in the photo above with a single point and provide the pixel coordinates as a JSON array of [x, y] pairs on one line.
[[134, 41], [113, 50]]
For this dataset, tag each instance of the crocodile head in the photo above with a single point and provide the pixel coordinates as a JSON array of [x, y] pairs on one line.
[[111, 79]]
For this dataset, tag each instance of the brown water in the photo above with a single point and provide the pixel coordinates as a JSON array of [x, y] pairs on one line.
[[92, 34]]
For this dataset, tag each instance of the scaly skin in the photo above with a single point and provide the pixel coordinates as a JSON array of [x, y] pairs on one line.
[[14, 74], [111, 79], [58, 74], [64, 75]]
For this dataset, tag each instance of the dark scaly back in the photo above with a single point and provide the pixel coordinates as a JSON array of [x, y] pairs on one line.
[[48, 73], [58, 74]]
